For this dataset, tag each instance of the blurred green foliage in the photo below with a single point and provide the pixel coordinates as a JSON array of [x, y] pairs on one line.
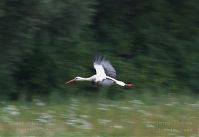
[[43, 43]]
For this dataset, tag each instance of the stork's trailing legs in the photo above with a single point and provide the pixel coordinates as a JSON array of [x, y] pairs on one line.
[[105, 74], [121, 83]]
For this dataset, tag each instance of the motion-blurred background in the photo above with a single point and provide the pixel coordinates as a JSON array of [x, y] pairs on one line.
[[153, 44]]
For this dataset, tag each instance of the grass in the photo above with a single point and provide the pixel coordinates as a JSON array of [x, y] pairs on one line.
[[146, 116]]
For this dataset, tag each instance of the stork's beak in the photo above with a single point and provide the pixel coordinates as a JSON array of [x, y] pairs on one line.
[[70, 81]]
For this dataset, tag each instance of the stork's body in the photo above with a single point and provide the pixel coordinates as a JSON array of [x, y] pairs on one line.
[[105, 74]]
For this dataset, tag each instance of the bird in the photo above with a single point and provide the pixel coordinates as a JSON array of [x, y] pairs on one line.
[[105, 74]]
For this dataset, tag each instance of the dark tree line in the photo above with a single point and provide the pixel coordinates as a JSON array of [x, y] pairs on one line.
[[153, 43]]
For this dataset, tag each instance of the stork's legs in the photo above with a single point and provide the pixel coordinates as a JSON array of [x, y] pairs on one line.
[[121, 83]]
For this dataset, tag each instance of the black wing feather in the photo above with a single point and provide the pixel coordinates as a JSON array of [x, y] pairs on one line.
[[108, 68]]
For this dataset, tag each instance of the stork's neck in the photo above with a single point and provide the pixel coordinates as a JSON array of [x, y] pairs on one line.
[[84, 79]]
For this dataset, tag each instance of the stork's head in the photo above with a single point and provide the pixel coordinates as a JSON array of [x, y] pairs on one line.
[[74, 80]]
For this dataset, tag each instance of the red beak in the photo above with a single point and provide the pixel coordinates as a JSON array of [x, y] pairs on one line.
[[70, 81]]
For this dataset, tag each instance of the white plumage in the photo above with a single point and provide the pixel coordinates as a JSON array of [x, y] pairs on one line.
[[105, 74]]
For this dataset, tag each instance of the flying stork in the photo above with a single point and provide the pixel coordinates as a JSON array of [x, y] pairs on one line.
[[105, 74]]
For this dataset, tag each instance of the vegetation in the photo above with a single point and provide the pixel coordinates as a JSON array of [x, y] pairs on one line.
[[153, 44], [166, 115]]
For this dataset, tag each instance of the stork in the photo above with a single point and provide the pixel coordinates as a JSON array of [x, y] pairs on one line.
[[105, 74]]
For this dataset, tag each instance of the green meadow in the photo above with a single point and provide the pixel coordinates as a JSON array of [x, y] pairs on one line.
[[167, 115], [153, 44]]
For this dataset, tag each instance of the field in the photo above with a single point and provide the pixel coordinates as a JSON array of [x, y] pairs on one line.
[[148, 116]]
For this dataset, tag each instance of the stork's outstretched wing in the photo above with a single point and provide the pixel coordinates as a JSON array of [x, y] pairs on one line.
[[100, 63]]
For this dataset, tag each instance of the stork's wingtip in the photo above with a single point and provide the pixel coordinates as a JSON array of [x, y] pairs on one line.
[[98, 57], [129, 85]]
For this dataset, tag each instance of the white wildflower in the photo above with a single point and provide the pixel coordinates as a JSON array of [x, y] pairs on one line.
[[149, 124], [85, 116], [104, 121], [45, 118], [79, 123], [118, 126], [125, 108], [11, 110], [139, 102], [39, 102], [75, 101], [105, 109]]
